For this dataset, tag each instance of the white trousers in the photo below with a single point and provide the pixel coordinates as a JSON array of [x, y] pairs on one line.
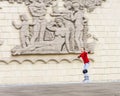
[[86, 66]]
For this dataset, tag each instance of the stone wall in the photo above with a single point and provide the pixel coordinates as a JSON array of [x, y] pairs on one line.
[[104, 23]]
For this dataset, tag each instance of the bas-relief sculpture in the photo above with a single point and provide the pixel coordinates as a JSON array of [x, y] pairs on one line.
[[66, 33]]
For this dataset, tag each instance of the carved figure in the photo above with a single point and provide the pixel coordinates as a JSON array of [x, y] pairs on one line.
[[39, 27], [77, 17], [24, 31], [70, 24], [38, 11]]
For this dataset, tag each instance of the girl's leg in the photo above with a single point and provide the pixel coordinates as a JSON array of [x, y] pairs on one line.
[[86, 66], [86, 76]]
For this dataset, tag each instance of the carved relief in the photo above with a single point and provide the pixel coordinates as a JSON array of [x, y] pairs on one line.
[[66, 33]]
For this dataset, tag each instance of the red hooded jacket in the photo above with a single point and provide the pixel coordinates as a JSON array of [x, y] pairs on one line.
[[84, 56]]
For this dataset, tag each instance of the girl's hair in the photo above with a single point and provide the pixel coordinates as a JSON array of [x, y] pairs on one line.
[[83, 48]]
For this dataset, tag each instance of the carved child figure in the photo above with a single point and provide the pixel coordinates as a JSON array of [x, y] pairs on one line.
[[24, 31]]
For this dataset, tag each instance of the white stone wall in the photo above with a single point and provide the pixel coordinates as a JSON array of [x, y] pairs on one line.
[[104, 23]]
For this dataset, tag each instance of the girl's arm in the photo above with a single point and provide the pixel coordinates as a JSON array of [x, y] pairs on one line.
[[79, 56]]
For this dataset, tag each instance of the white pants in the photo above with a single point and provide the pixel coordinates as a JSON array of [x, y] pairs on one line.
[[86, 66]]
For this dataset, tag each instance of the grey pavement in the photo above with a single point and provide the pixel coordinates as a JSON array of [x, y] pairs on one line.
[[91, 89]]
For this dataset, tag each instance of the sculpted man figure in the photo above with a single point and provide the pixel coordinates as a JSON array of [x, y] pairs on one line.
[[70, 24], [38, 11], [77, 17]]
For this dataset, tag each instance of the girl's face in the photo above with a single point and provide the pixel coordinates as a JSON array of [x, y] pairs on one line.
[[82, 50]]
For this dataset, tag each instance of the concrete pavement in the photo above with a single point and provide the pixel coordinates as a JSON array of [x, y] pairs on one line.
[[91, 89]]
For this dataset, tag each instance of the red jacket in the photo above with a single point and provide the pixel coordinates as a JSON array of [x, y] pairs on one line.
[[84, 57]]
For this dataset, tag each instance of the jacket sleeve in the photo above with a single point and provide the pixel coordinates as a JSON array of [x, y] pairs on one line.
[[79, 56]]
